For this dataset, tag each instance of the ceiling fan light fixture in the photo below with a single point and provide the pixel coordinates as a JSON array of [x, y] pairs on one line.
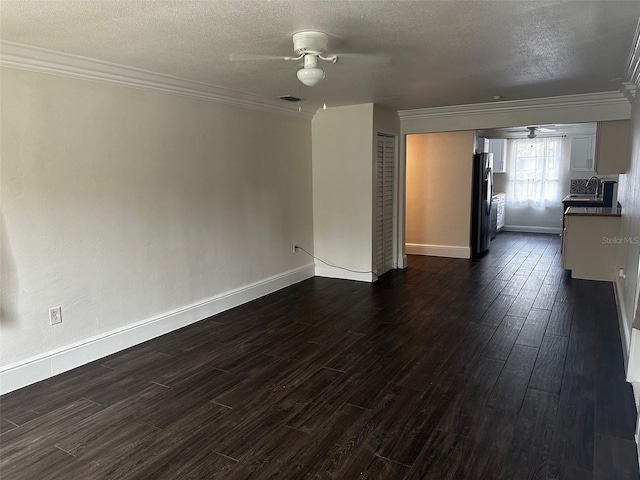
[[310, 74]]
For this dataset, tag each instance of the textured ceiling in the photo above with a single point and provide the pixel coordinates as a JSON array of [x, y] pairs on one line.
[[443, 52]]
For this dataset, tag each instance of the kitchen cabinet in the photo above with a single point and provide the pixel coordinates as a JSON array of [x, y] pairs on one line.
[[498, 146], [583, 152], [589, 243], [612, 147]]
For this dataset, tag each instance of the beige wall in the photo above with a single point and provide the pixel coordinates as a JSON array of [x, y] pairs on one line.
[[120, 204], [342, 173], [438, 211]]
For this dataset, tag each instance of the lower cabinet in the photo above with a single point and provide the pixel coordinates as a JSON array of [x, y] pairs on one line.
[[590, 246]]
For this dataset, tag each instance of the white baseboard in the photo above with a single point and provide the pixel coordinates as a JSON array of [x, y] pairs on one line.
[[333, 272], [623, 325], [438, 250], [531, 229], [40, 367], [630, 338]]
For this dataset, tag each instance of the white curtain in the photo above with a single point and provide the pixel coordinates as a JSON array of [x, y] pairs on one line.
[[536, 165]]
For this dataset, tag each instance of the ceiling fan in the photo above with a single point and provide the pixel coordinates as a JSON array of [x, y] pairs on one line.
[[533, 131], [310, 46]]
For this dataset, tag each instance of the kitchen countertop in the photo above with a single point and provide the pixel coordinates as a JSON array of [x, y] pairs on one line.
[[595, 211], [589, 199]]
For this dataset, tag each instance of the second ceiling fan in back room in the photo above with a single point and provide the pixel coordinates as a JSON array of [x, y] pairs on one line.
[[532, 131], [310, 47]]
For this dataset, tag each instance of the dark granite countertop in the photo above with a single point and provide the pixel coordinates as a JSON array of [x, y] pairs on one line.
[[595, 211]]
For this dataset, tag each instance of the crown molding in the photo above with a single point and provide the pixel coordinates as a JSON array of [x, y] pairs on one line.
[[41, 60], [629, 89], [633, 62], [545, 103]]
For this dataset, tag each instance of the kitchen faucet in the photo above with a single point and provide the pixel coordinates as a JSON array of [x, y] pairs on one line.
[[586, 185]]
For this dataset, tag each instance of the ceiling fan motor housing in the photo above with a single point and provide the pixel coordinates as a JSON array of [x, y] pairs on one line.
[[310, 42]]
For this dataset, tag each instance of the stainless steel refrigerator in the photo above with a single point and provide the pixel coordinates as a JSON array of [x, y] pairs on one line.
[[481, 200]]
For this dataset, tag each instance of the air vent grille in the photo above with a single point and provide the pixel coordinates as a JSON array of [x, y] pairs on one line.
[[289, 98]]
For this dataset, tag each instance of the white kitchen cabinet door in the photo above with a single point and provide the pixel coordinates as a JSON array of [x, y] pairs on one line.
[[498, 146], [583, 151]]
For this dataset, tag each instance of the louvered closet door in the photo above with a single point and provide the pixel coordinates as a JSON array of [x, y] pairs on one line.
[[383, 240]]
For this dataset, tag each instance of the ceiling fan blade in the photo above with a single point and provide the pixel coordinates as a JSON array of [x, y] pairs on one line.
[[242, 57], [364, 58]]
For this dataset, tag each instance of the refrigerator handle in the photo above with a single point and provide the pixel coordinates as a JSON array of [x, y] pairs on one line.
[[490, 190]]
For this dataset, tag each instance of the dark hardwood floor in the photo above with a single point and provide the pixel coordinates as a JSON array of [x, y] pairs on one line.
[[500, 368]]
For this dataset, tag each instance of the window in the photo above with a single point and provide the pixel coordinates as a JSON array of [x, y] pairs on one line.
[[536, 172]]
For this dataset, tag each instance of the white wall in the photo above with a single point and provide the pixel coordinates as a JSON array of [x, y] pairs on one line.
[[438, 198], [628, 289], [121, 204], [344, 145], [342, 186]]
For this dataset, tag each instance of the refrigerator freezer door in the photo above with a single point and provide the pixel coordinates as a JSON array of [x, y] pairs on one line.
[[482, 192]]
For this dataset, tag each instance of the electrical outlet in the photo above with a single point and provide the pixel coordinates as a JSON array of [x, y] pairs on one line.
[[55, 315], [295, 248]]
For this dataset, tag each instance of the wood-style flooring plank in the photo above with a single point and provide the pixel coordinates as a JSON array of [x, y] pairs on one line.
[[443, 457], [510, 388], [613, 415], [533, 436], [497, 310], [465, 413], [549, 368], [6, 425], [560, 319], [46, 465], [523, 303], [504, 338], [534, 282], [546, 297], [615, 458], [533, 328], [582, 354], [37, 437], [573, 444]]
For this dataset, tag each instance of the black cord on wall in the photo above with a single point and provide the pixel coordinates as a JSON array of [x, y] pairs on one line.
[[336, 266]]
